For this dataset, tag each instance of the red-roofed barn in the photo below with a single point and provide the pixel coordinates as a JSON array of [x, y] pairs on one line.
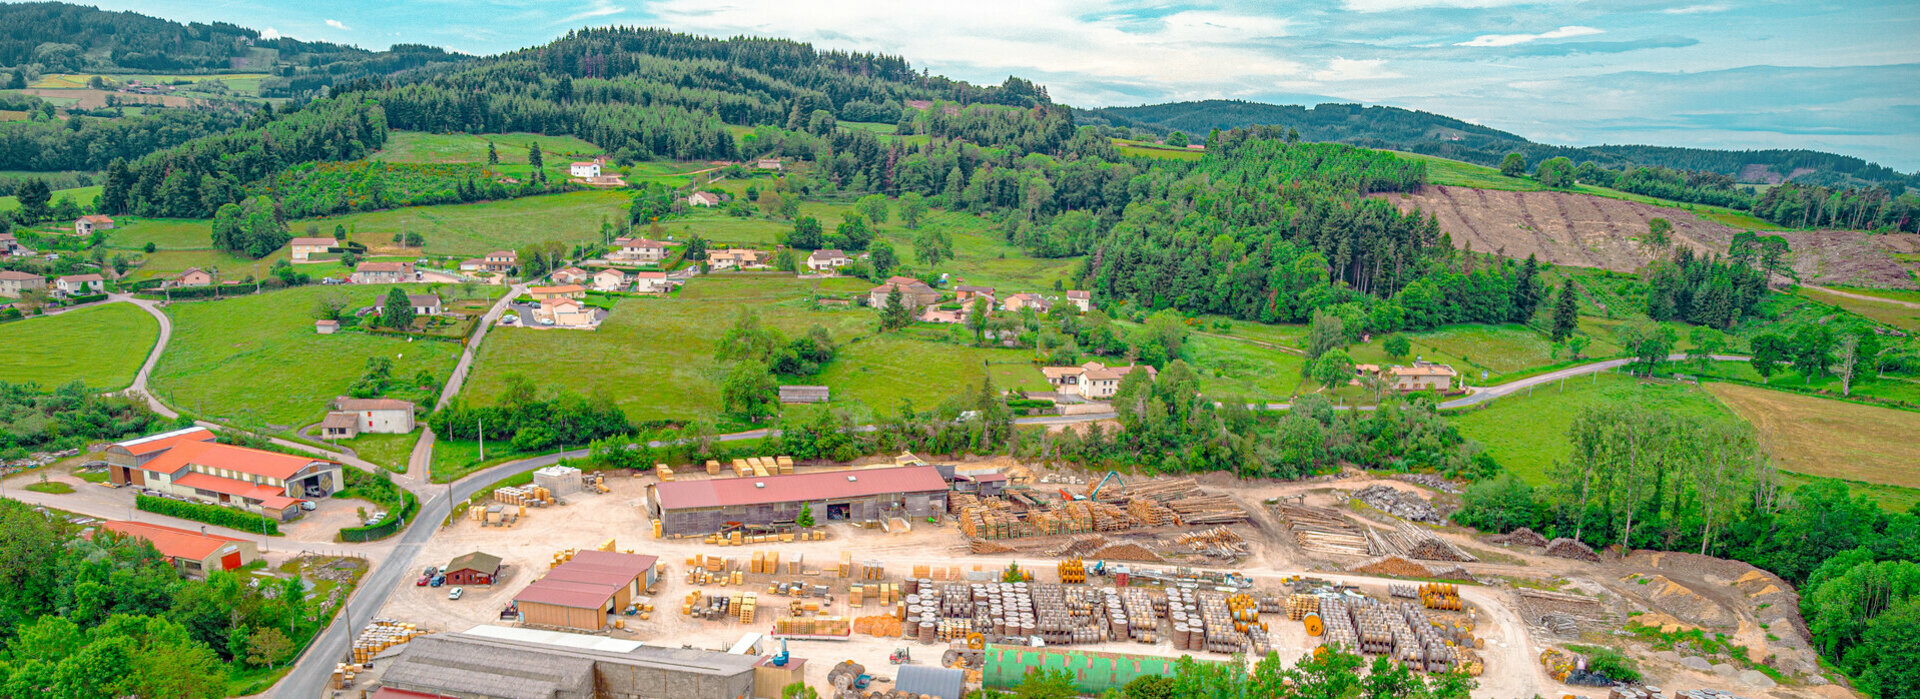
[[193, 553], [580, 593], [188, 463]]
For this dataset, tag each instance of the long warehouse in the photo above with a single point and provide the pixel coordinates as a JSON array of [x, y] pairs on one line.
[[710, 505]]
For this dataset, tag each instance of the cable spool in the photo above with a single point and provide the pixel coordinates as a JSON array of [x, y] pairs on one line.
[[1314, 626]]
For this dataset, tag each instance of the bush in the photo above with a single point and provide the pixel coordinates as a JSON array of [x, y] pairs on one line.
[[409, 507], [77, 299], [210, 514]]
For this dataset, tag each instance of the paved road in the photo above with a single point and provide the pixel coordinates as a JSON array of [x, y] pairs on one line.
[[139, 387], [420, 461], [1482, 394]]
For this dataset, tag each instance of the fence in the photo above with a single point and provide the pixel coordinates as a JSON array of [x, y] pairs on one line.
[[387, 527]]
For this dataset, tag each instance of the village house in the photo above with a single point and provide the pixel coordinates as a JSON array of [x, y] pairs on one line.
[[79, 285], [190, 464], [565, 291], [424, 304], [611, 279], [192, 276], [913, 292], [703, 199], [14, 284], [654, 283], [1017, 302], [306, 249], [10, 246], [501, 261], [86, 225], [827, 260], [1092, 380], [352, 417], [639, 250], [1081, 299], [564, 312], [383, 273], [326, 327], [1421, 376], [192, 553], [769, 164], [737, 258], [967, 293], [571, 275], [584, 169]]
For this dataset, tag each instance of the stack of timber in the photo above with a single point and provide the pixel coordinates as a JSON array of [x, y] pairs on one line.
[[1156, 491], [1570, 548], [1218, 542], [1522, 537], [1208, 509], [1150, 513], [1392, 501], [1414, 542], [1322, 530]]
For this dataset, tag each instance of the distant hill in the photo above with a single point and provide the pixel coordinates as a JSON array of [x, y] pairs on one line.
[[55, 37], [1433, 134]]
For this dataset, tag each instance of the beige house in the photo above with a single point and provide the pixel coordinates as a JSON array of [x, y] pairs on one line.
[[10, 246], [565, 313], [827, 260], [193, 276], [86, 225], [13, 284], [584, 169], [654, 282], [565, 291], [356, 416], [611, 279], [1017, 302], [913, 293], [306, 249], [1092, 380], [769, 164], [703, 199], [967, 293], [639, 250], [79, 285], [571, 275], [1081, 299], [326, 327], [383, 273], [1421, 376], [501, 261], [737, 258]]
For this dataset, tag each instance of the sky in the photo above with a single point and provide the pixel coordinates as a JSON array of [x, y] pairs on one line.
[[1832, 75]]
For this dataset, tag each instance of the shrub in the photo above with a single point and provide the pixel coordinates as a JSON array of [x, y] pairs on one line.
[[210, 514]]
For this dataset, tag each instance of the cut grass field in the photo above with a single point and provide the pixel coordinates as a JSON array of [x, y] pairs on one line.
[[248, 83], [1892, 314], [390, 451], [1830, 438], [1233, 368], [255, 360], [654, 356], [100, 346], [83, 196], [479, 228], [1527, 434], [1134, 149]]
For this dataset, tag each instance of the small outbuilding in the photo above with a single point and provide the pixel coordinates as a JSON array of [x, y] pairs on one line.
[[473, 569], [192, 553], [326, 327], [561, 480], [804, 394]]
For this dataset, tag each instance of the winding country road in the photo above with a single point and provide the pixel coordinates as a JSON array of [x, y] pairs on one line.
[[420, 460], [1864, 297]]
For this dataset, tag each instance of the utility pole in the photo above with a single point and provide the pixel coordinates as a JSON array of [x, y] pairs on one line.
[[482, 428]]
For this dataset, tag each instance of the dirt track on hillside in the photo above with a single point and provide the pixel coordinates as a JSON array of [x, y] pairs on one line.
[[1588, 231]]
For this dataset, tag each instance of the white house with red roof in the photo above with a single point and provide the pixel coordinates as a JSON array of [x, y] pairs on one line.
[[584, 168], [639, 250], [190, 464]]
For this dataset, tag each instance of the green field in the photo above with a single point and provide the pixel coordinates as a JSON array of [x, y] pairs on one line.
[[83, 196], [1527, 434], [555, 151], [479, 228], [1892, 314], [100, 346], [390, 451], [1133, 149], [654, 356], [255, 360], [1233, 368], [247, 83]]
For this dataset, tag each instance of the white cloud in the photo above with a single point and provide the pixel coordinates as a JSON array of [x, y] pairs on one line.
[[596, 8], [1341, 69], [1516, 39], [337, 24], [1101, 57], [1395, 5], [269, 33], [1694, 9]]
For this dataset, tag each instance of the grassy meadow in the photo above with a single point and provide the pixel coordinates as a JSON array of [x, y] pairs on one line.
[[1528, 433], [1893, 314], [1830, 438], [482, 227], [83, 196], [255, 360], [100, 346]]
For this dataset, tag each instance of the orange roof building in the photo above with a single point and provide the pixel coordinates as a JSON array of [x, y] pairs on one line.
[[193, 553], [189, 464]]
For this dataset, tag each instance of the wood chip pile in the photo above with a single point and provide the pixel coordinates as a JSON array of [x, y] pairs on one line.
[[1400, 504], [1323, 530], [1408, 568], [1569, 548]]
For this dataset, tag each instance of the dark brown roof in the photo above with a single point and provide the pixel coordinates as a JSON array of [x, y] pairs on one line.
[[477, 562], [826, 485], [588, 580]]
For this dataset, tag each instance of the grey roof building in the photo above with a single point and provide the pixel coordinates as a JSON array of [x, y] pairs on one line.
[[945, 683], [509, 665]]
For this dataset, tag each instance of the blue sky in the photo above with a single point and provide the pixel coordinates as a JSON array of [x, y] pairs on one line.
[[1820, 74]]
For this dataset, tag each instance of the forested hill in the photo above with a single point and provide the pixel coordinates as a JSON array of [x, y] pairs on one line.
[[1434, 134], [57, 37]]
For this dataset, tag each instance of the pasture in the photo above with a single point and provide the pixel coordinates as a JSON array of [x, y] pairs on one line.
[[1142, 149], [1830, 438], [1527, 434], [654, 356], [1893, 314], [1233, 368], [255, 360], [83, 196], [482, 227], [556, 152], [100, 346]]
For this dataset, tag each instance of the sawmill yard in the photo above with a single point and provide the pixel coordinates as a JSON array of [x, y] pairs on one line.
[[1355, 531]]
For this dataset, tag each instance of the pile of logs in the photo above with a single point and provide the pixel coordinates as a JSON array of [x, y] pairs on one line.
[[1521, 537], [1390, 500], [1322, 530], [1208, 509], [1218, 542], [1157, 491], [1413, 542], [1569, 548]]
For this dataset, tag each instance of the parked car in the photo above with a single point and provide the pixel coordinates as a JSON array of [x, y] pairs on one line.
[[422, 582], [455, 594], [438, 580], [430, 570], [308, 506]]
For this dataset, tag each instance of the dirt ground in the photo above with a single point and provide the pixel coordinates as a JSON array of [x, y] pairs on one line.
[[1588, 231], [1513, 644]]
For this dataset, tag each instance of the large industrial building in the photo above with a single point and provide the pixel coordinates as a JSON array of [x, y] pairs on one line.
[[706, 506], [493, 662], [580, 593], [190, 464]]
